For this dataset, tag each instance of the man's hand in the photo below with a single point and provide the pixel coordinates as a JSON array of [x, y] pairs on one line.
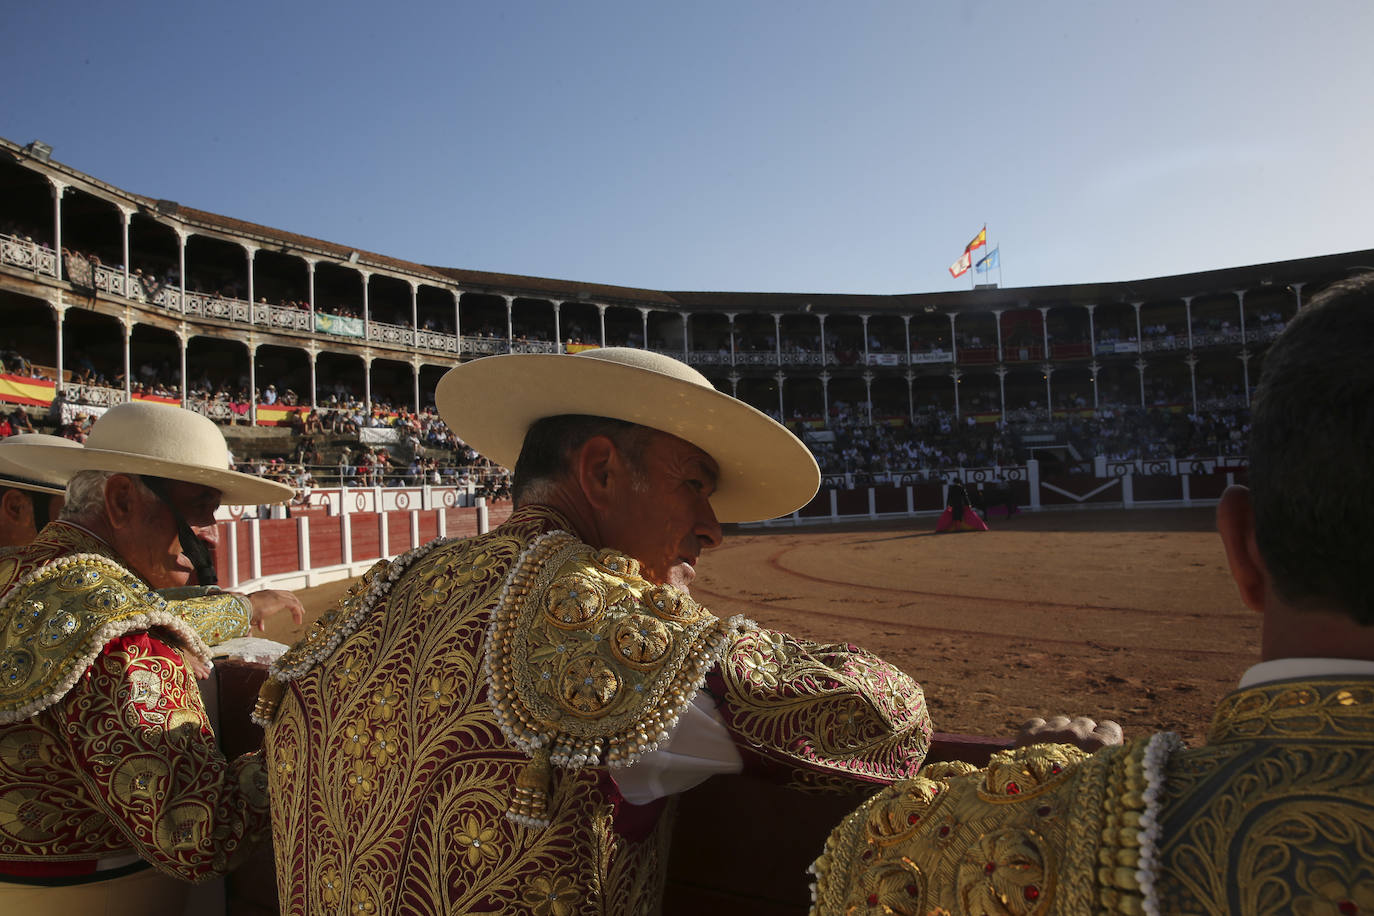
[[1081, 732], [270, 601]]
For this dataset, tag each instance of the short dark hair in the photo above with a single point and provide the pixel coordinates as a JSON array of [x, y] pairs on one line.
[[1312, 453], [546, 453]]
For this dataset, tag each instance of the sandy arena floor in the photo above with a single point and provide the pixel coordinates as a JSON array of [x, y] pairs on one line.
[[1128, 615]]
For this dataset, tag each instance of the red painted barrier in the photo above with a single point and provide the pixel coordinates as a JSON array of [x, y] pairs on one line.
[[326, 541], [367, 538], [280, 549], [398, 531]]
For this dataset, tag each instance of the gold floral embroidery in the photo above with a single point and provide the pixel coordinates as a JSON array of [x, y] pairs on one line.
[[478, 842], [575, 601], [362, 781], [386, 744], [556, 896]]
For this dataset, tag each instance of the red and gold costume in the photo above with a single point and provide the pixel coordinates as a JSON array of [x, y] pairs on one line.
[[1274, 815], [107, 759], [447, 739]]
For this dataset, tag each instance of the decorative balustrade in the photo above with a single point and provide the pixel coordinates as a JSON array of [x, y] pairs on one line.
[[434, 340], [482, 346], [534, 346], [27, 254], [93, 395], [395, 334]]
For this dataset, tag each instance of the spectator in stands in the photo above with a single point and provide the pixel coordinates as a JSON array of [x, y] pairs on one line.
[[103, 729], [1273, 815]]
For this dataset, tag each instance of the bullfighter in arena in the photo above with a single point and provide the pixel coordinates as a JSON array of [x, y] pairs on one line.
[[959, 514], [498, 724], [108, 765], [1276, 813]]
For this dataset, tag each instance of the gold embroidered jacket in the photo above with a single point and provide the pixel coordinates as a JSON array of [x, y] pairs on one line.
[[445, 740], [1274, 815], [105, 747]]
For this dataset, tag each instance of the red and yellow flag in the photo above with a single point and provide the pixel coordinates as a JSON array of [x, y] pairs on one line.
[[979, 240]]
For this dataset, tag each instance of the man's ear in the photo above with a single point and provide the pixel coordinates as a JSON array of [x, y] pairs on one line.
[[595, 466], [1236, 525], [16, 506], [121, 501]]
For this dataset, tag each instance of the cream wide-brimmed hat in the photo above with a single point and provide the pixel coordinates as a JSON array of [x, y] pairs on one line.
[[765, 471], [35, 480], [159, 440]]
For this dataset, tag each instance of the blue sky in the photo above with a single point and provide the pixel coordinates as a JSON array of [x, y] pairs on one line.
[[799, 146]]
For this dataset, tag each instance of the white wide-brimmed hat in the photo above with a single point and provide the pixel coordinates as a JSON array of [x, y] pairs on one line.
[[765, 471], [159, 440], [35, 480]]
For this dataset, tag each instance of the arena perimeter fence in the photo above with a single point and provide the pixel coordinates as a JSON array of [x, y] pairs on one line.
[[338, 533]]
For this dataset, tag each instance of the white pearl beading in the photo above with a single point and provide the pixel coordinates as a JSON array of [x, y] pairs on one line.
[[1153, 765]]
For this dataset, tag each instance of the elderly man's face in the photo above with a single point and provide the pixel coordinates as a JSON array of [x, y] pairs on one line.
[[151, 545], [664, 520]]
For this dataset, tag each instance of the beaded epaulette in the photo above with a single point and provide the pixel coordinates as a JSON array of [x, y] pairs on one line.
[[591, 664]]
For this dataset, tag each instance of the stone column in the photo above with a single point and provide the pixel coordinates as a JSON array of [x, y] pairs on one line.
[[1139, 334], [1049, 400], [1140, 367], [1002, 391], [906, 333], [414, 308], [910, 397], [252, 381], [825, 397], [185, 384], [734, 385], [367, 306], [59, 311], [685, 344], [312, 353], [126, 325], [415, 377], [510, 323], [252, 298], [557, 327], [310, 287], [955, 375], [954, 344], [457, 315], [367, 382], [1192, 378], [1240, 302], [864, 320], [777, 337], [1094, 368], [781, 380], [181, 266], [1045, 328], [825, 356], [1297, 292], [644, 321], [1245, 373], [601, 312], [1188, 314], [1092, 332], [731, 316], [997, 320], [868, 392], [124, 214], [58, 189]]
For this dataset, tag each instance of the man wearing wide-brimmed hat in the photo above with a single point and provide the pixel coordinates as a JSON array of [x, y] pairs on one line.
[[495, 724], [29, 498], [107, 762]]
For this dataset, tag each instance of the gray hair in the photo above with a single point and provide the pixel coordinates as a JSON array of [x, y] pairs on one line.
[[86, 495]]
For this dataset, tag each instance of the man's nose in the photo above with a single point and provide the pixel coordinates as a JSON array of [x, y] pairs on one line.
[[708, 529], [207, 533]]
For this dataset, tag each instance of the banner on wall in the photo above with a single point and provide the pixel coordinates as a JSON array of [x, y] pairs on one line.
[[338, 324], [278, 416], [578, 348], [36, 392]]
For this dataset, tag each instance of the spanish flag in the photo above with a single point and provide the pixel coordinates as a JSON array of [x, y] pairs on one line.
[[979, 240]]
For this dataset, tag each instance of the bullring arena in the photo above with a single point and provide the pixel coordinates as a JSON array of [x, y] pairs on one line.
[[1112, 415]]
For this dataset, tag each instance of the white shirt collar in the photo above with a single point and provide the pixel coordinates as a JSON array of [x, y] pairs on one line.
[[1285, 669]]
